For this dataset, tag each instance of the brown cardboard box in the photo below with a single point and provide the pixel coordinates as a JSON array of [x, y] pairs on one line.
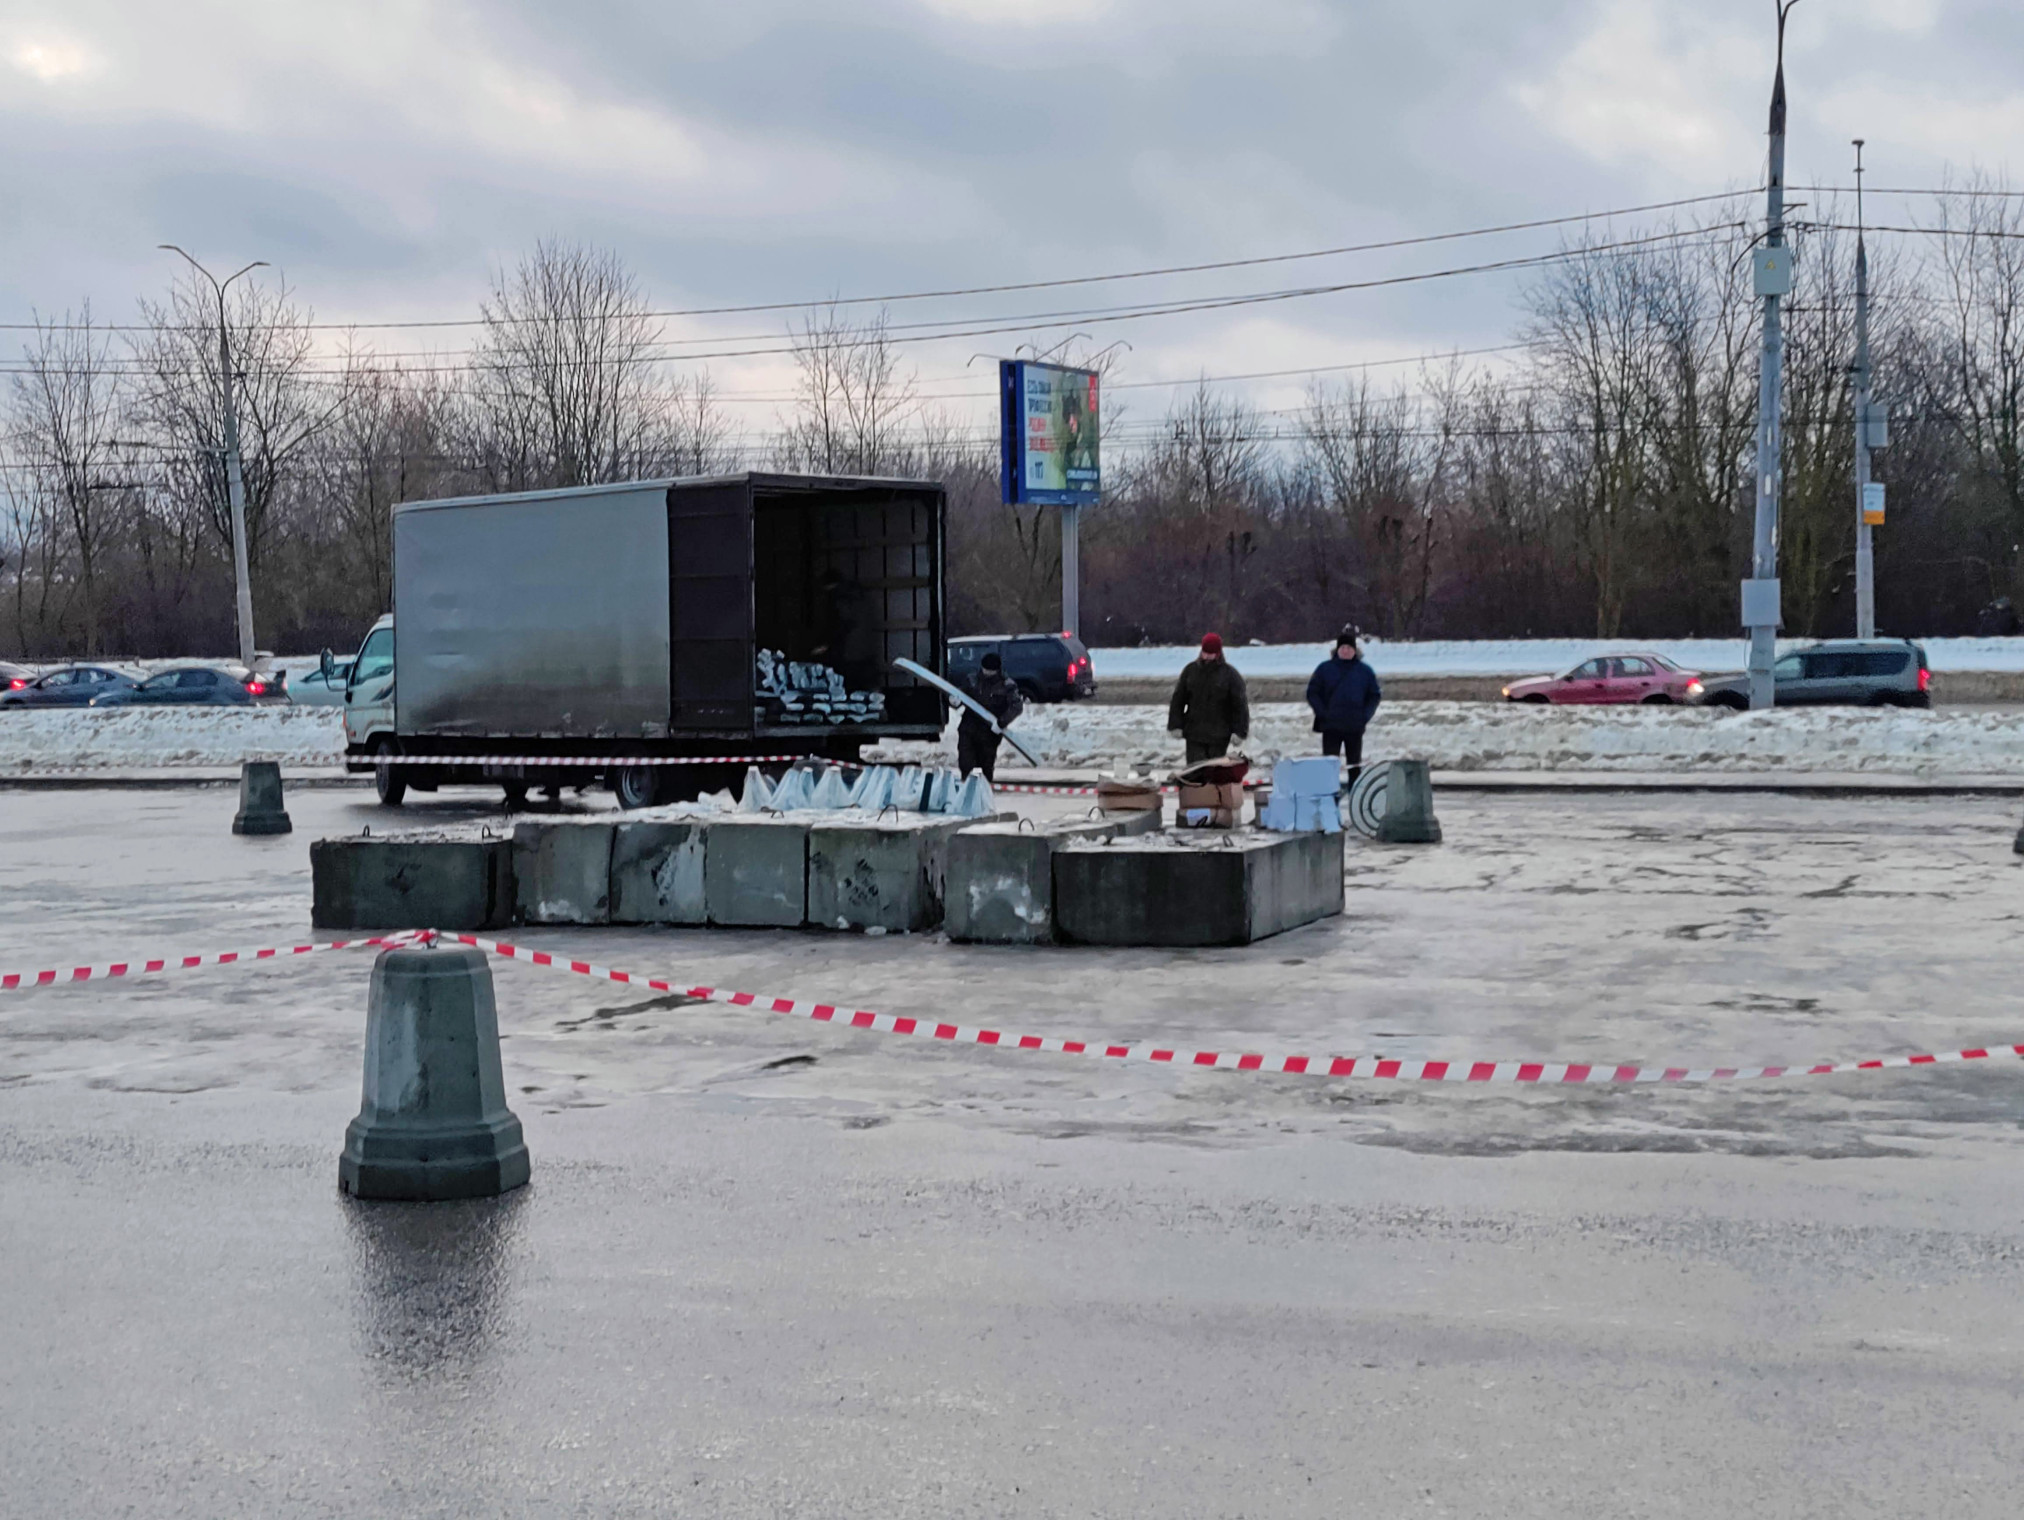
[[1229, 796], [1114, 796]]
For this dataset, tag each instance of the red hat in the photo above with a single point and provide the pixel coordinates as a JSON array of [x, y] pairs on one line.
[[1212, 643]]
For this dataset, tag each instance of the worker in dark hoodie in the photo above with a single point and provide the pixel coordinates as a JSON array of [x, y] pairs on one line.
[[1210, 707], [976, 742], [1344, 694]]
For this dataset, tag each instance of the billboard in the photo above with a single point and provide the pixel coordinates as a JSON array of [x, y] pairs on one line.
[[1048, 434]]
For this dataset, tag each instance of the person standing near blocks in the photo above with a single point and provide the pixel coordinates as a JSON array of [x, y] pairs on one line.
[[976, 744], [1210, 706], [1344, 694]]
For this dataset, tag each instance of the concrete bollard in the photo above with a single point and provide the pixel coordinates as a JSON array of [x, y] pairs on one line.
[[260, 809], [433, 1123], [2017, 845], [1409, 806]]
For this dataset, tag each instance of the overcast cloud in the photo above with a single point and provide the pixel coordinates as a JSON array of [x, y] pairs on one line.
[[388, 154]]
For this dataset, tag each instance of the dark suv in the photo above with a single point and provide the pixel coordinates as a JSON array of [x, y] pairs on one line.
[[1046, 667], [1862, 672]]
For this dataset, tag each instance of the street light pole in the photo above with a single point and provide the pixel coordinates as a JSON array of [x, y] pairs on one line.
[[1772, 280], [1865, 562], [235, 478]]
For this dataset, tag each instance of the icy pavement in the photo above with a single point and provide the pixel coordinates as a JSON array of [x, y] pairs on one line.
[[768, 1268]]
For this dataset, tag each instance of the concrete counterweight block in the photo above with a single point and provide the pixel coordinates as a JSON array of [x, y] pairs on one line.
[[1231, 890], [1409, 806], [879, 875], [260, 807], [362, 882], [562, 872], [657, 873], [1000, 876], [433, 1123], [755, 872]]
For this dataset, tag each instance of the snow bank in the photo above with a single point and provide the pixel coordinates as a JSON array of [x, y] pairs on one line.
[[121, 738], [1503, 736], [1514, 657], [1451, 735]]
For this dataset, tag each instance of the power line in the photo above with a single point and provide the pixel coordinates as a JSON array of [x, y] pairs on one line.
[[975, 290], [1092, 315]]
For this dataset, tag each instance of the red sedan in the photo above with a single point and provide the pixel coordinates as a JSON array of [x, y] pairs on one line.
[[1612, 678]]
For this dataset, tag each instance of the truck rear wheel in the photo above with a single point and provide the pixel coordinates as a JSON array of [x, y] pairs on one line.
[[637, 786], [390, 781]]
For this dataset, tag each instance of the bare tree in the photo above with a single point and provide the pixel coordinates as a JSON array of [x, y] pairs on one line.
[[855, 405], [565, 383], [67, 407], [284, 403]]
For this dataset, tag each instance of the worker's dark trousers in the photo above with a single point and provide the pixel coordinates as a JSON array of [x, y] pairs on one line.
[[1208, 749], [1348, 743], [976, 752]]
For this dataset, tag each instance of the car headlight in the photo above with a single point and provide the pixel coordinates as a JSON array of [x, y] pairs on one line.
[[1507, 691]]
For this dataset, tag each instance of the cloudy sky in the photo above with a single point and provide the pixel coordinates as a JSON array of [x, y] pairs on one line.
[[388, 155]]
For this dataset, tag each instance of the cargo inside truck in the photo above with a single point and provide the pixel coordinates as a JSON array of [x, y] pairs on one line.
[[844, 578]]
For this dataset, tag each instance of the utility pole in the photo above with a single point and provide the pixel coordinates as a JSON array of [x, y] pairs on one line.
[[235, 478], [1772, 281], [1071, 571], [1868, 503]]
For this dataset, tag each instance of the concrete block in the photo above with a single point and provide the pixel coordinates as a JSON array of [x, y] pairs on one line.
[[411, 882], [433, 1122], [755, 872], [657, 873], [260, 807], [1000, 876], [869, 875], [1178, 890], [562, 872]]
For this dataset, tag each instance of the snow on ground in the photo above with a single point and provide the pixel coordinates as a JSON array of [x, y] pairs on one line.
[[1451, 735], [1502, 736], [119, 738], [1514, 657]]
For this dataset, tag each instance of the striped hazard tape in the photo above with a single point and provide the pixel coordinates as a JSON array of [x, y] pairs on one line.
[[576, 760], [1382, 1068], [13, 981]]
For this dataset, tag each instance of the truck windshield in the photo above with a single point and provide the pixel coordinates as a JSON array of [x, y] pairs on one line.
[[375, 657]]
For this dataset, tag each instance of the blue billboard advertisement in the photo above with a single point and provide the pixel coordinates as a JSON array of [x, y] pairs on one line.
[[1048, 434]]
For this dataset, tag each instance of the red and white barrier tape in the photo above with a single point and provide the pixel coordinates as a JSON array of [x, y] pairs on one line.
[[1382, 1068], [20, 980], [572, 760]]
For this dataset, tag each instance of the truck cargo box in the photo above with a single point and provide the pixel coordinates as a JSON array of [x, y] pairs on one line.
[[635, 615]]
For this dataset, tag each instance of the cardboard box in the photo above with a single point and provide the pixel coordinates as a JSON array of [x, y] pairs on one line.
[[1127, 797], [1229, 796]]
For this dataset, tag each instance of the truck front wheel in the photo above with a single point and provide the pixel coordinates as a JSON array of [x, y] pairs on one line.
[[389, 781]]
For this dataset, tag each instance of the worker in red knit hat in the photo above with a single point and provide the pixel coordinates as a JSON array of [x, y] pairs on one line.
[[1210, 707]]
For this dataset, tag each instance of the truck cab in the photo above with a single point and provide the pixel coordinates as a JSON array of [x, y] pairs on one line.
[[369, 698]]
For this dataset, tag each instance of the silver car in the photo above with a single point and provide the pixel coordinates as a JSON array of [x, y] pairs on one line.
[[1851, 672]]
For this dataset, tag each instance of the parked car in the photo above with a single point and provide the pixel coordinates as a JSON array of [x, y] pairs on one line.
[[1858, 672], [1046, 667], [14, 677], [70, 686], [1641, 677], [324, 686], [199, 685]]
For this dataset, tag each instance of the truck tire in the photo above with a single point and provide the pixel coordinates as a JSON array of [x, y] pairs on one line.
[[390, 781], [636, 786]]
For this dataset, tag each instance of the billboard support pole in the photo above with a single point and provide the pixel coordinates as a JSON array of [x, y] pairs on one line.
[[1071, 570]]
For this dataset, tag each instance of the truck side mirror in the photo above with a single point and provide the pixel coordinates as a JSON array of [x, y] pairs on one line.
[[324, 665]]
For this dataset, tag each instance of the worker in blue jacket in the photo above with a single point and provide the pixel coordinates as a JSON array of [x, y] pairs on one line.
[[1344, 694]]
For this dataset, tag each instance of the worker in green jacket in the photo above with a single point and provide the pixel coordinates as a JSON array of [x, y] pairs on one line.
[[1210, 707]]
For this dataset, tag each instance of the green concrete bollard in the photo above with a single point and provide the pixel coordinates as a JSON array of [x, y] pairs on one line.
[[433, 1123], [260, 808], [1409, 806]]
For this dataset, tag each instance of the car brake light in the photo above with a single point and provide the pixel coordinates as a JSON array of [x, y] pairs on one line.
[[1925, 679], [16, 684], [256, 687]]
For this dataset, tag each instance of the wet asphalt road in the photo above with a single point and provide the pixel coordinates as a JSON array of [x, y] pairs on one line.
[[767, 1269]]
